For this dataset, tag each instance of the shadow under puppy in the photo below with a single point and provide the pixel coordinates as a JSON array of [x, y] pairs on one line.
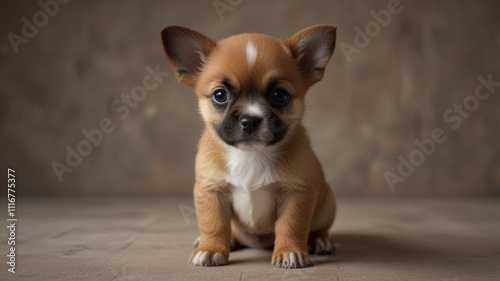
[[258, 182]]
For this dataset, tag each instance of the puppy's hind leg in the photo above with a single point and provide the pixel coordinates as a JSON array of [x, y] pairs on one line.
[[320, 244]]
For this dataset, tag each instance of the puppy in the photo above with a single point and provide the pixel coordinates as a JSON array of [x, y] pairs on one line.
[[258, 182]]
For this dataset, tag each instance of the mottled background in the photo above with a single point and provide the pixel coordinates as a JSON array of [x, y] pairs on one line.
[[367, 111]]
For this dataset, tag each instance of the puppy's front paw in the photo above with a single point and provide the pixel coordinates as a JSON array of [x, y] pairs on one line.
[[208, 258], [321, 246], [290, 259], [232, 245]]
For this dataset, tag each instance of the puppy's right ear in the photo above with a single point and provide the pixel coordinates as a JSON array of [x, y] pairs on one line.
[[186, 51]]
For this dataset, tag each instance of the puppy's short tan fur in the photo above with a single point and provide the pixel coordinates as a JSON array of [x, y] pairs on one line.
[[262, 188]]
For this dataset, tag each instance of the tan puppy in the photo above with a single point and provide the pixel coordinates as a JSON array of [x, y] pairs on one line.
[[258, 182]]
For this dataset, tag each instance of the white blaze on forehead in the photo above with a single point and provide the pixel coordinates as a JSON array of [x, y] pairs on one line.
[[254, 110], [251, 53]]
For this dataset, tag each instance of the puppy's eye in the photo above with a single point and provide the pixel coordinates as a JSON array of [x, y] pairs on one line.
[[280, 97], [220, 96]]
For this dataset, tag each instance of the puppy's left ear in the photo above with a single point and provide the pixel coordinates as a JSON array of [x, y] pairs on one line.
[[312, 48]]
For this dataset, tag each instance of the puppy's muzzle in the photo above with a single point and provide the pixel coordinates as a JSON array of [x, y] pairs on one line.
[[250, 123]]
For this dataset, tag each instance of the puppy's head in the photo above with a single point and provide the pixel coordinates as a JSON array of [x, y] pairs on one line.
[[250, 87]]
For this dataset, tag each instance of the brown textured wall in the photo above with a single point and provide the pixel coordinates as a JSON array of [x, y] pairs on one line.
[[362, 117]]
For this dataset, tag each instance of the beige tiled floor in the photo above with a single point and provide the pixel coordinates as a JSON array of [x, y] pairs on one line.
[[151, 238]]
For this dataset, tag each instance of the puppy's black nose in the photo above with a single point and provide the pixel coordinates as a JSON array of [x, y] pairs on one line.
[[250, 123]]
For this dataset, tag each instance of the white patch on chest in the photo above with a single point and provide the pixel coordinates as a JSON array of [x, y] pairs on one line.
[[248, 171], [252, 206], [251, 51]]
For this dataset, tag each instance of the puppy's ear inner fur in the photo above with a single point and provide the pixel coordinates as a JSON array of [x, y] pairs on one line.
[[186, 51], [312, 48]]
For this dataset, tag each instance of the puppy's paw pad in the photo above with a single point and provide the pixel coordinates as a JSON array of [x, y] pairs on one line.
[[207, 258], [321, 246], [291, 260]]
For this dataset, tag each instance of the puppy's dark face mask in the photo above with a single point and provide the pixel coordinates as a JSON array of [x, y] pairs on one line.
[[252, 117]]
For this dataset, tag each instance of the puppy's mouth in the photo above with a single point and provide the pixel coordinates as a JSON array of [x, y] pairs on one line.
[[250, 141], [245, 140], [251, 132]]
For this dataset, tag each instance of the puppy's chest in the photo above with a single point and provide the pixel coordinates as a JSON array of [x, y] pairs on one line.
[[250, 169], [250, 173]]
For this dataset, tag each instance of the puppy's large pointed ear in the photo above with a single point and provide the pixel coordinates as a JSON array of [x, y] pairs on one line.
[[312, 48], [187, 51]]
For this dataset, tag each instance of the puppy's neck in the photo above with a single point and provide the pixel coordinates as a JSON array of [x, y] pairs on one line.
[[251, 169]]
